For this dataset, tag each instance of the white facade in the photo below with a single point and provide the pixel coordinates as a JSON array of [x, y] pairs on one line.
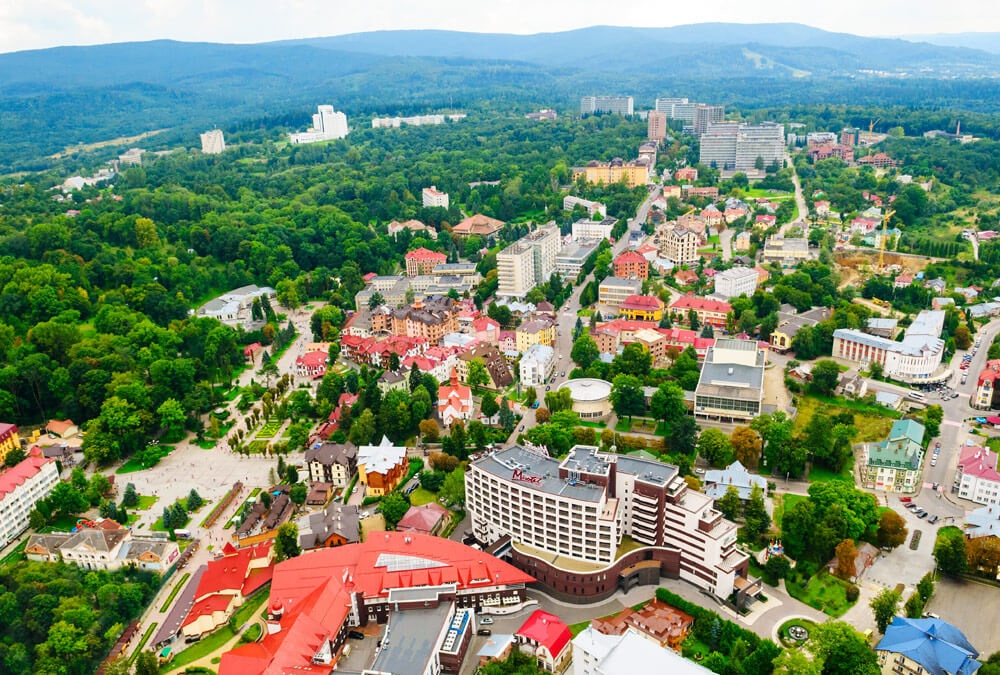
[[977, 476], [21, 487], [328, 124], [595, 653], [527, 262], [916, 358], [414, 121], [537, 364], [593, 229], [735, 282], [434, 197], [212, 142], [616, 105], [737, 146], [680, 246], [593, 208]]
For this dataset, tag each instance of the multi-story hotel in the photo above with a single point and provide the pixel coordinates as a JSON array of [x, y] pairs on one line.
[[916, 359], [212, 142], [616, 290], [604, 173], [616, 105], [593, 229], [434, 197], [593, 208], [736, 281], [21, 487], [656, 125], [566, 521], [423, 261], [737, 146], [527, 262], [328, 124], [708, 311], [680, 246]]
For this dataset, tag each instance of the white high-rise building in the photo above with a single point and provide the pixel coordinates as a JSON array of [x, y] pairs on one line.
[[735, 282], [527, 262], [666, 105], [328, 124], [738, 146], [434, 197], [212, 142], [616, 105]]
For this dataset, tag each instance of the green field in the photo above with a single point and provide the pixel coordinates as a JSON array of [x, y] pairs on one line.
[[146, 502], [421, 496], [824, 592]]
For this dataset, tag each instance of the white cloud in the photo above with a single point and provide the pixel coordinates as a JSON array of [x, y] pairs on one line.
[[43, 23]]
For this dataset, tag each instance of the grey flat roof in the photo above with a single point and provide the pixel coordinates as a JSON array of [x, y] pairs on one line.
[[503, 463], [410, 640], [648, 470], [731, 380]]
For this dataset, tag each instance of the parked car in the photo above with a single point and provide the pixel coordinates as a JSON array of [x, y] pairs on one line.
[[938, 444], [485, 620], [934, 460], [356, 635], [485, 632], [922, 514], [933, 519]]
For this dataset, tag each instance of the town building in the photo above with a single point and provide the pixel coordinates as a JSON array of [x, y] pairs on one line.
[[417, 228], [656, 621], [668, 104], [415, 121], [423, 261], [894, 464], [333, 463], [235, 307], [496, 365], [545, 638], [656, 126], [615, 105], [565, 520], [615, 290], [916, 359], [538, 331], [631, 265], [593, 229], [381, 467], [595, 653], [680, 246], [21, 487], [705, 116], [742, 241], [335, 525], [791, 321], [327, 124], [634, 173], [58, 428], [976, 476], [225, 585], [261, 524], [731, 386], [916, 646], [527, 262], [544, 114], [9, 439], [593, 208], [986, 387], [537, 365], [429, 519], [454, 401], [849, 136], [425, 589], [430, 319], [738, 146], [591, 397], [311, 364], [131, 157], [983, 522], [572, 257], [642, 308], [786, 250], [107, 547], [478, 224], [718, 481], [212, 142], [735, 282], [881, 326], [432, 197], [712, 312]]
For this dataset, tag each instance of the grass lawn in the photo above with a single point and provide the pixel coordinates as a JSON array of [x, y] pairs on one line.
[[134, 463], [205, 444], [142, 643], [173, 593], [873, 422], [577, 628], [158, 525], [819, 473], [786, 640], [599, 425], [64, 524], [628, 544], [247, 611], [146, 502], [269, 429], [421, 496], [786, 503], [257, 447], [200, 649], [16, 555], [824, 592]]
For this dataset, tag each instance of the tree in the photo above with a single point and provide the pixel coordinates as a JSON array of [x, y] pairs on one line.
[[925, 587], [846, 554], [884, 606], [432, 480], [891, 529], [914, 607], [875, 370], [746, 447], [983, 554], [363, 429], [194, 500], [452, 491], [507, 419], [776, 568], [714, 447], [286, 543], [730, 504], [478, 375], [429, 430], [66, 501], [755, 516], [542, 415], [530, 396], [130, 497], [393, 507], [584, 351], [146, 663], [171, 415], [298, 493], [14, 457], [442, 461], [963, 338], [842, 650], [667, 404], [795, 662], [933, 414], [950, 553], [627, 397], [634, 360], [489, 406], [825, 376], [375, 301]]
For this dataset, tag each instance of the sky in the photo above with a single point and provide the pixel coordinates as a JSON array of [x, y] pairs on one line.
[[33, 24]]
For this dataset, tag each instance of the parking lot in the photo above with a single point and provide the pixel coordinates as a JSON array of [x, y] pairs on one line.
[[973, 608]]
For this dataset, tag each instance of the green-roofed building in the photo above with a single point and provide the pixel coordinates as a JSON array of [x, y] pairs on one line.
[[893, 465]]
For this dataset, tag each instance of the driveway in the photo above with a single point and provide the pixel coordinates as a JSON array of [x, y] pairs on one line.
[[973, 608]]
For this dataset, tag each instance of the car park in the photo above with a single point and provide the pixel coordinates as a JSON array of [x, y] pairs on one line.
[[933, 519], [922, 514]]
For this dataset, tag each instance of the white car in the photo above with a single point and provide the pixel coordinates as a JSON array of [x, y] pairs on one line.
[[485, 621]]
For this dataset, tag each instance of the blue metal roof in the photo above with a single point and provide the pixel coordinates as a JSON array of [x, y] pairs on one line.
[[937, 646]]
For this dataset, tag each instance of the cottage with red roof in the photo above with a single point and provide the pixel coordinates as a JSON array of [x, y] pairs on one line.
[[546, 638], [765, 220], [21, 487], [479, 224], [423, 261], [486, 330], [226, 584], [316, 599], [642, 308], [708, 311], [454, 401], [428, 519], [311, 364], [686, 175], [631, 265]]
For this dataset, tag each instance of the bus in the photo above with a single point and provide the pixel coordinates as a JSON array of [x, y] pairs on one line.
[[916, 396], [182, 534]]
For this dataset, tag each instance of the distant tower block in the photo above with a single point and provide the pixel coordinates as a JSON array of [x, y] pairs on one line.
[[212, 142]]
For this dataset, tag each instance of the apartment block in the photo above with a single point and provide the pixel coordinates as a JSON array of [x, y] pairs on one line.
[[212, 142], [434, 197], [680, 246], [735, 282], [527, 262], [21, 487], [656, 126], [616, 105], [737, 146], [603, 173]]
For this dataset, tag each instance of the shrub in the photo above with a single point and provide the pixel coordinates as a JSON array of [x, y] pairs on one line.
[[852, 593]]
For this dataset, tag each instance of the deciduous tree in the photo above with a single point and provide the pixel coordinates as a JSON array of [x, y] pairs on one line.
[[884, 607]]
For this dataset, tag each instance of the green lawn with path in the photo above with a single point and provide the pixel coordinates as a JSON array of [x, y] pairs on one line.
[[146, 502], [823, 591]]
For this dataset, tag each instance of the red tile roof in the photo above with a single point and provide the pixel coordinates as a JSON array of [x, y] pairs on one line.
[[979, 462], [422, 519], [6, 429], [315, 590], [230, 572], [425, 255], [312, 359], [631, 258], [547, 630], [25, 470], [702, 304], [646, 302]]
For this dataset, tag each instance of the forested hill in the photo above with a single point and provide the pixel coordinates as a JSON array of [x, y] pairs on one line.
[[54, 99]]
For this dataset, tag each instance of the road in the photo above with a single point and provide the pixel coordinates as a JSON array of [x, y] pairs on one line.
[[567, 316], [800, 200], [726, 243]]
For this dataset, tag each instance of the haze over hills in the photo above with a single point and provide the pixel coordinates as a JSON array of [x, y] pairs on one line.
[[54, 98], [988, 42]]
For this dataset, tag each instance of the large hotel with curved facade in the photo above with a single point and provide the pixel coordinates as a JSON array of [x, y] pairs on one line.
[[593, 522]]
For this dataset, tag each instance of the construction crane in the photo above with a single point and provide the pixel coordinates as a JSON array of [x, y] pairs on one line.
[[871, 125], [881, 246]]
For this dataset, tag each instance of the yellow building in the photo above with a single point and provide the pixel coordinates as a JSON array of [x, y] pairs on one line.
[[604, 173], [535, 332], [8, 439], [642, 308]]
